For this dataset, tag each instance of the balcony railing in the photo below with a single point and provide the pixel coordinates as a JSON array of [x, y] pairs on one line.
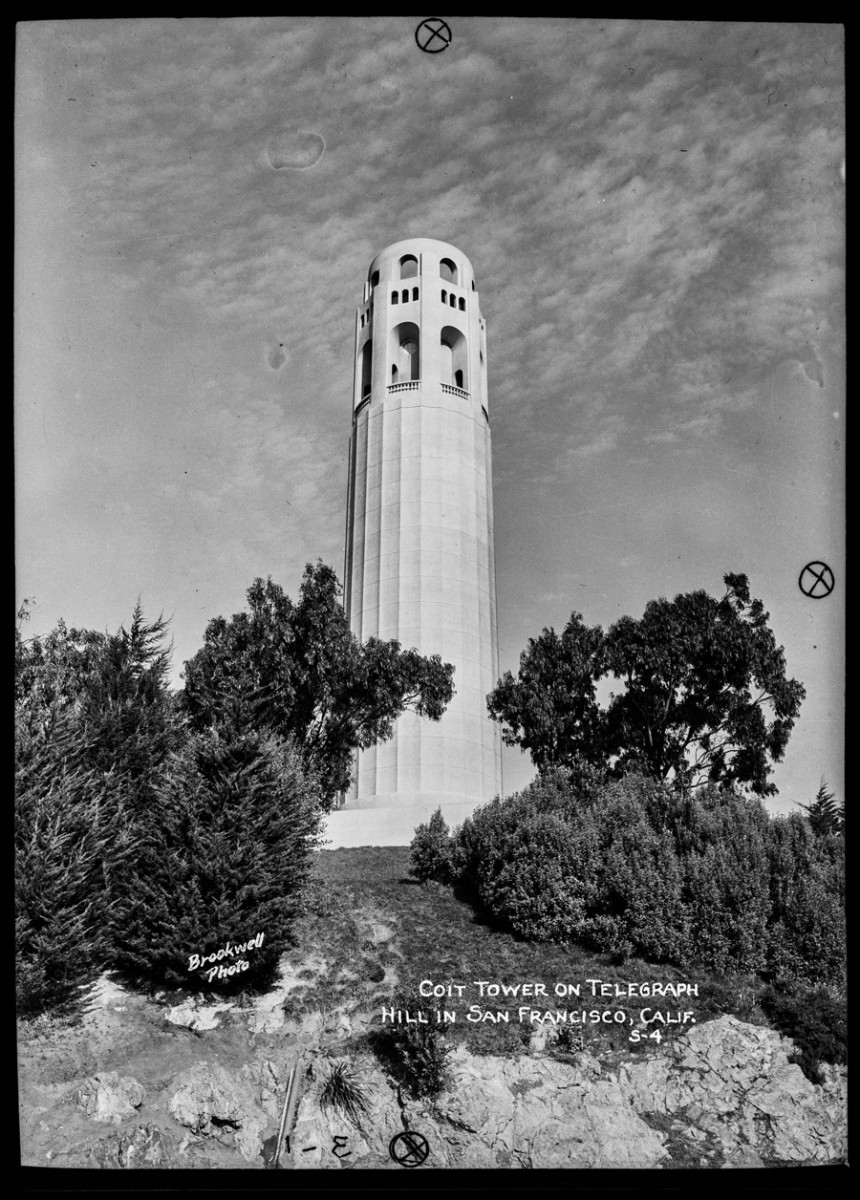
[[455, 391], [412, 385]]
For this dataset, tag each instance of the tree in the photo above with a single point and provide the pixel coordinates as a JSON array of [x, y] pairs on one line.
[[705, 699], [64, 833], [825, 815], [112, 686], [550, 709], [297, 670], [221, 858], [94, 724]]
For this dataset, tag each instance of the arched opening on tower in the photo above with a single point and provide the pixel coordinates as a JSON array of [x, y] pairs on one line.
[[374, 279], [366, 367], [454, 358], [404, 352], [408, 266], [448, 270]]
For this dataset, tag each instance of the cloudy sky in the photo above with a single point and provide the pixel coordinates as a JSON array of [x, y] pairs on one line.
[[654, 211]]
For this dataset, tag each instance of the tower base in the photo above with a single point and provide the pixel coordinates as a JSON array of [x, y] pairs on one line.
[[392, 824]]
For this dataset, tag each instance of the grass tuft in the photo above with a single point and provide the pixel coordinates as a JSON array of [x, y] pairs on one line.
[[344, 1092]]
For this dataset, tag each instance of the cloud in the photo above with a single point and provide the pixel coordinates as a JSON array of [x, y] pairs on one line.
[[651, 237]]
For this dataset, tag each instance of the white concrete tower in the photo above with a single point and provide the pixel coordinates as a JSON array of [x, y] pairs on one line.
[[419, 563]]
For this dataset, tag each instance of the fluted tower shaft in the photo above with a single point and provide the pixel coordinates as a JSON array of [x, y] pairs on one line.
[[419, 563]]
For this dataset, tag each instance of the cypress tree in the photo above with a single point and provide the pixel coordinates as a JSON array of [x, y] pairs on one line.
[[221, 858]]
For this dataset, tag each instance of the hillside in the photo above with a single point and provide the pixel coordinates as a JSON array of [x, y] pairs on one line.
[[164, 1082]]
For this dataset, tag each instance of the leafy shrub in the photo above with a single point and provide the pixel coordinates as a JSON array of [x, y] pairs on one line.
[[638, 881], [483, 840], [430, 851], [724, 844], [536, 878], [570, 1039], [816, 1022], [808, 943], [416, 1054], [635, 867]]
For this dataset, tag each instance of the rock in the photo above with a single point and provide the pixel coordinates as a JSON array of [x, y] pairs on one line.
[[109, 1098], [646, 1084], [735, 1081], [794, 1120], [202, 1093], [268, 1081], [743, 1156], [541, 1114], [267, 1020], [197, 1016], [589, 1127], [267, 1014], [726, 1090], [479, 1100], [210, 1102], [147, 1146]]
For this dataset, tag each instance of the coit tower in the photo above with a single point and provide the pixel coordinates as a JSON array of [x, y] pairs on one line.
[[419, 563]]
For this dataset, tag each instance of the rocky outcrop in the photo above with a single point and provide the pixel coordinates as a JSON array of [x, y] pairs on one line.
[[722, 1094], [540, 1113], [145, 1147], [736, 1082], [725, 1094], [212, 1103], [110, 1098], [197, 1016]]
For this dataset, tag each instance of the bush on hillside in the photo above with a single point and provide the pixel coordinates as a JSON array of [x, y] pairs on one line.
[[417, 1054], [222, 856], [816, 1021], [639, 903], [63, 835], [723, 848], [635, 867], [537, 878], [94, 722], [483, 839], [431, 851]]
